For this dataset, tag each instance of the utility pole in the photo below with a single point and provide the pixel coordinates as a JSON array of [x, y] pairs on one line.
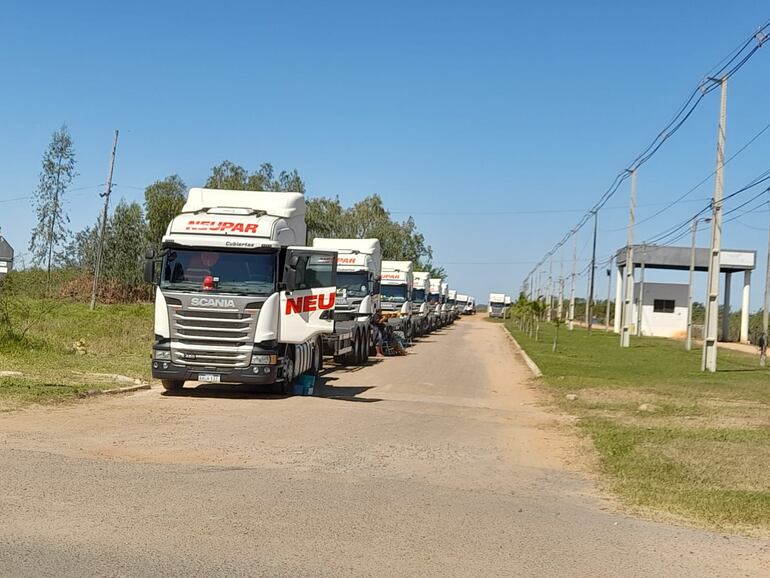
[[560, 307], [571, 312], [549, 291], [763, 356], [628, 299], [609, 295], [640, 306], [694, 229], [103, 226], [589, 303], [709, 360]]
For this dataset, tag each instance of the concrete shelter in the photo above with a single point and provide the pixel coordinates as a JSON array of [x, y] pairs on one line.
[[6, 257], [678, 259]]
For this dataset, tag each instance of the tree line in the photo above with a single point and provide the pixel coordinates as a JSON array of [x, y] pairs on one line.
[[132, 227]]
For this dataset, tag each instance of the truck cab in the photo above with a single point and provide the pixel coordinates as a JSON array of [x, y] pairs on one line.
[[435, 300], [462, 303], [359, 271], [396, 295], [420, 310], [446, 310], [238, 300], [452, 303], [497, 305]]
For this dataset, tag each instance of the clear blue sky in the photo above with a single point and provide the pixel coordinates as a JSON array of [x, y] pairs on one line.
[[484, 107]]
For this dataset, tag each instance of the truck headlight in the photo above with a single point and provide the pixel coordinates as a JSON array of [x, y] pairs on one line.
[[259, 359], [163, 354]]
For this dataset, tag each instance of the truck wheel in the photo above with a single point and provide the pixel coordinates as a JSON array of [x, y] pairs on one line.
[[362, 350], [367, 347], [354, 356], [284, 386], [318, 358], [172, 384]]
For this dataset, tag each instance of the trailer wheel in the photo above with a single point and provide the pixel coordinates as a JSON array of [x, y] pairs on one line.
[[172, 384]]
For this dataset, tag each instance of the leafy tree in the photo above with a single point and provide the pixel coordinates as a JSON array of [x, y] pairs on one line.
[[324, 217], [228, 175], [124, 244], [163, 200], [55, 177]]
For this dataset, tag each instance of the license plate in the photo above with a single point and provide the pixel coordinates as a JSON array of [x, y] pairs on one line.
[[210, 377]]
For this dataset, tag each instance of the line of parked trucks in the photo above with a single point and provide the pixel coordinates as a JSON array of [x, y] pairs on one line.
[[241, 299]]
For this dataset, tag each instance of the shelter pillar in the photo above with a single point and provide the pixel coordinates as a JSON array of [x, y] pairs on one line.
[[726, 308], [745, 306], [618, 297]]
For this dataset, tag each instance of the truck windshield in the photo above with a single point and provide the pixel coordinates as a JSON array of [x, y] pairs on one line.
[[433, 298], [393, 293], [219, 271], [418, 295], [355, 284], [496, 304]]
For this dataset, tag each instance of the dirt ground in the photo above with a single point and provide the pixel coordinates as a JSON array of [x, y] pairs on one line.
[[440, 463]]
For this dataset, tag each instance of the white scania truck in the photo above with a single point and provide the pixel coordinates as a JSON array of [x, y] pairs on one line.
[[396, 295], [497, 305], [435, 300], [359, 267], [446, 309], [238, 300], [462, 303], [420, 311], [470, 306]]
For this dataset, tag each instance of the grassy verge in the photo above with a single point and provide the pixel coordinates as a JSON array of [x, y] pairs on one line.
[[670, 438], [114, 339]]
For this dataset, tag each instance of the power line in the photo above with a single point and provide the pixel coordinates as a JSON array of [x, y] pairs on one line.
[[684, 112]]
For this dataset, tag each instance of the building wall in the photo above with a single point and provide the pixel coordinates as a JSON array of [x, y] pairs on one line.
[[657, 324]]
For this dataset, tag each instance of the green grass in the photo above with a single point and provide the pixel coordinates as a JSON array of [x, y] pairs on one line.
[[116, 338], [700, 452]]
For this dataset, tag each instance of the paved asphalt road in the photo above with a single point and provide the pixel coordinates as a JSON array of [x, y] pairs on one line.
[[441, 463]]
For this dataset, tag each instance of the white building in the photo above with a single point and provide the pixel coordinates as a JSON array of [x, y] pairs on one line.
[[664, 309]]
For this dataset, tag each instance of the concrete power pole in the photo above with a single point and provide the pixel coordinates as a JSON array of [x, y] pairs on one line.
[[628, 298], [709, 360], [640, 300], [560, 306], [609, 295], [103, 225], [571, 312], [767, 298], [549, 292], [589, 303]]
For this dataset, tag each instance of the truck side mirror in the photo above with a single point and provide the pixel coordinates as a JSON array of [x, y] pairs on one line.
[[149, 268], [293, 274], [289, 278]]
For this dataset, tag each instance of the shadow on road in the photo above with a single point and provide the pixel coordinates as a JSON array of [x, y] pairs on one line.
[[323, 388]]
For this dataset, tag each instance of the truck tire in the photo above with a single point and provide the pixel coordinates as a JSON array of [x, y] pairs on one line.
[[172, 384], [318, 358], [286, 384]]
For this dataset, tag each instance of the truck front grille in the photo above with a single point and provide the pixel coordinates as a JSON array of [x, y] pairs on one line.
[[211, 337]]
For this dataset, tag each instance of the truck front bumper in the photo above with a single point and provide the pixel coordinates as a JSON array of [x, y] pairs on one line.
[[266, 375], [250, 375]]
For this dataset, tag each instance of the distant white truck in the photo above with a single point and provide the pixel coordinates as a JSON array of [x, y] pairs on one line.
[[359, 268], [470, 306], [462, 303], [238, 299], [435, 301], [507, 310], [396, 295], [497, 305], [420, 309], [446, 310]]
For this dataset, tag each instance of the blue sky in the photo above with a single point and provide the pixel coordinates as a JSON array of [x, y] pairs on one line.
[[476, 109]]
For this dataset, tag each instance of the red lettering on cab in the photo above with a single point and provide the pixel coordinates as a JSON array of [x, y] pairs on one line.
[[310, 303]]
